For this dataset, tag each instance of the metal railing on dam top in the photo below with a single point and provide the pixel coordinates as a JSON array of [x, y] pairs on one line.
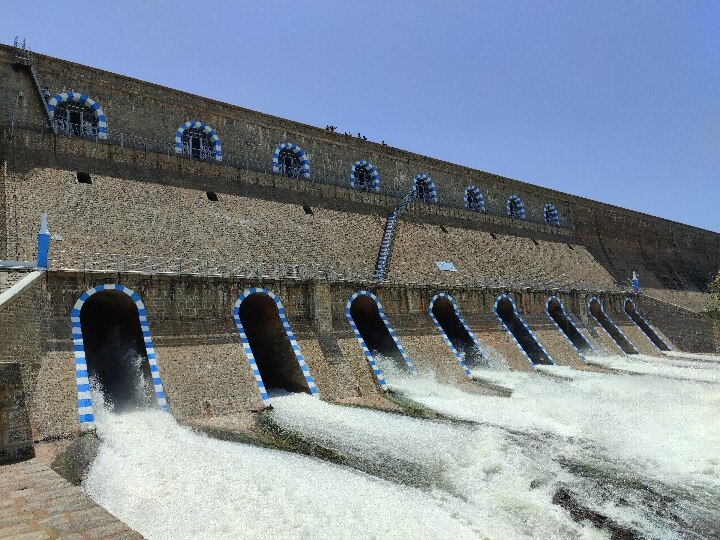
[[78, 261], [322, 171]]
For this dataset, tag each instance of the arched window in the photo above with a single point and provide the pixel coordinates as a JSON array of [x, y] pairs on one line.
[[515, 207], [364, 176], [198, 140], [551, 215], [474, 199], [197, 144], [291, 160], [424, 188], [76, 115]]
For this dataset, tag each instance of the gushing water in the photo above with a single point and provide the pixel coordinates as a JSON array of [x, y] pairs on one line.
[[641, 449]]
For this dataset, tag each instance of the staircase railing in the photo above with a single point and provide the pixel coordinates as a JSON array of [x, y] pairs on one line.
[[383, 260], [23, 61]]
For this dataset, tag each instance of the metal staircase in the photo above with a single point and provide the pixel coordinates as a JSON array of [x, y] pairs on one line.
[[23, 62], [383, 260]]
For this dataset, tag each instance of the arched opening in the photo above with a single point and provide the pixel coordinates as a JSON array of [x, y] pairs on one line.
[[197, 143], [289, 163], [515, 207], [645, 326], [115, 350], [444, 313], [421, 190], [603, 320], [363, 178], [75, 119], [474, 199], [551, 215], [365, 315], [507, 313], [270, 344], [557, 314]]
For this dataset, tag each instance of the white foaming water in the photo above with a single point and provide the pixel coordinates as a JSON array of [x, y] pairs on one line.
[[694, 356], [168, 482], [642, 450], [660, 433], [675, 368]]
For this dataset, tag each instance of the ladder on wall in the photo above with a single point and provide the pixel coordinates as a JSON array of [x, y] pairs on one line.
[[23, 62], [383, 260]]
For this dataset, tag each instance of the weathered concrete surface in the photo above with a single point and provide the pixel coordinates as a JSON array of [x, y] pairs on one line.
[[38, 504], [15, 437], [554, 341]]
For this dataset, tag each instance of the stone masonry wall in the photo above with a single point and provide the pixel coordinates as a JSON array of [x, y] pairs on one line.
[[148, 112], [490, 258], [666, 254], [688, 330], [203, 368], [15, 438]]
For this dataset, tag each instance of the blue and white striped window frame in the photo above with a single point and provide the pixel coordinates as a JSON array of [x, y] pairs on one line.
[[562, 308], [602, 308], [290, 335], [81, 99], [551, 215], [200, 126], [85, 407], [455, 352], [368, 355], [519, 207], [643, 319], [479, 205], [372, 171], [522, 321], [299, 153], [432, 196]]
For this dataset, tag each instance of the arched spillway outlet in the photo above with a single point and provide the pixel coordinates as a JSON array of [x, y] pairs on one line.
[[113, 346], [445, 314], [507, 314], [269, 344], [645, 326], [557, 314], [598, 313], [374, 333]]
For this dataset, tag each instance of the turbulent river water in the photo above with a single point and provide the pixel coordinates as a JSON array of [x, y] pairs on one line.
[[639, 445]]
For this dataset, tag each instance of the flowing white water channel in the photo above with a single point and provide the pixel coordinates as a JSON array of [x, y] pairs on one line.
[[643, 450]]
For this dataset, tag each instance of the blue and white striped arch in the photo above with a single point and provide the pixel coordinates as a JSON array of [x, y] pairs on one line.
[[81, 99], [290, 335], [372, 171], [368, 354], [522, 321], [643, 319], [299, 153], [85, 407], [474, 199], [515, 207], [562, 308], [444, 335], [551, 215], [612, 339], [431, 195], [204, 128]]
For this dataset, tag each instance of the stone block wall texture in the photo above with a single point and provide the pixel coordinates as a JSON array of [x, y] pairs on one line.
[[666, 254], [15, 437], [688, 330], [148, 112], [490, 258]]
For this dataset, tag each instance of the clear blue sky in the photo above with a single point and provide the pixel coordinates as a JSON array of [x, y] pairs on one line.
[[618, 101]]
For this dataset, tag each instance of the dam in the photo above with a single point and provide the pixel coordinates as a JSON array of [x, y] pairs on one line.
[[219, 298]]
